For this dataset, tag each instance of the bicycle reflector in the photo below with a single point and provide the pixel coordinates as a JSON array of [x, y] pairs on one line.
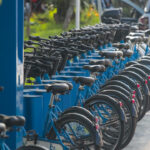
[[121, 104], [133, 101], [138, 85], [133, 95], [146, 81], [134, 92], [96, 119], [97, 126]]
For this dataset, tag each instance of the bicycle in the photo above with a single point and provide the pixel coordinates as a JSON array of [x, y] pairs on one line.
[[69, 129], [6, 125]]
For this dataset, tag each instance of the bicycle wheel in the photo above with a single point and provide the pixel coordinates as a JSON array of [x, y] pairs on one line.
[[111, 120], [123, 89], [131, 118], [118, 83], [142, 67], [118, 88], [32, 148], [131, 63], [133, 86], [76, 132], [80, 110], [144, 89]]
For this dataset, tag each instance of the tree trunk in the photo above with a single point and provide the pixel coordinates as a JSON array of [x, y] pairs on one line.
[[69, 14], [62, 6]]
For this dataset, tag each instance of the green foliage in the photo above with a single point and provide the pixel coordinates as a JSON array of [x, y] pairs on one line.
[[89, 16], [44, 24]]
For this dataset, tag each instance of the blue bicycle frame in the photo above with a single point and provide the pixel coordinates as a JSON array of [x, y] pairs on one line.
[[3, 145]]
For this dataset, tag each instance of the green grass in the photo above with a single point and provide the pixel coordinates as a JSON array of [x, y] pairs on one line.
[[44, 24]]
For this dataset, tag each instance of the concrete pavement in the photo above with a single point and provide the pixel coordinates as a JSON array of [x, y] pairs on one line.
[[141, 139]]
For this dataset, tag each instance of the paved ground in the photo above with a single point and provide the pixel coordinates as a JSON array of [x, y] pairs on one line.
[[141, 139]]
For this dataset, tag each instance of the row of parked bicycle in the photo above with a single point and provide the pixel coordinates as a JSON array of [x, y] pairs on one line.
[[95, 101]]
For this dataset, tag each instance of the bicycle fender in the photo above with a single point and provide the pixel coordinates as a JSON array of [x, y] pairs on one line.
[[98, 140], [123, 116], [134, 112], [146, 89], [139, 94]]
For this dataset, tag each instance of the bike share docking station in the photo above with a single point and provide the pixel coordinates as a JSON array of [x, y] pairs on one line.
[[12, 101], [11, 62], [81, 77]]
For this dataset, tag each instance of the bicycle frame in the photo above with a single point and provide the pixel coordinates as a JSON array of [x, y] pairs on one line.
[[53, 114], [3, 145], [82, 95]]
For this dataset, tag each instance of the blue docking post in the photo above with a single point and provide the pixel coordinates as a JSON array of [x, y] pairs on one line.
[[11, 62]]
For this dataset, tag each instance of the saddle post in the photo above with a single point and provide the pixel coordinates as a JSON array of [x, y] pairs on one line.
[[51, 101]]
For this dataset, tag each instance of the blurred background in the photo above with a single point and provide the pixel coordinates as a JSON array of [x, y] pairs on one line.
[[51, 17]]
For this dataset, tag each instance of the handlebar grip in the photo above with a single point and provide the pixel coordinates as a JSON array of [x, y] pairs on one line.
[[28, 46], [55, 67], [63, 63], [73, 52], [29, 42], [36, 38]]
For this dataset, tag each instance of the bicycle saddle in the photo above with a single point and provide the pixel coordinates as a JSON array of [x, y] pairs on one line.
[[119, 54], [11, 121], [108, 49], [105, 62], [136, 34], [81, 63], [57, 88], [121, 45], [2, 127], [68, 83], [127, 53], [84, 80], [134, 39], [109, 54], [94, 68]]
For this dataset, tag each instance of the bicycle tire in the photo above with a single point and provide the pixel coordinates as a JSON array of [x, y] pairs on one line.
[[118, 88], [80, 110], [124, 91], [138, 71], [143, 72], [131, 63], [131, 84], [127, 106], [144, 69], [97, 99], [75, 117], [144, 62], [118, 83], [145, 101]]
